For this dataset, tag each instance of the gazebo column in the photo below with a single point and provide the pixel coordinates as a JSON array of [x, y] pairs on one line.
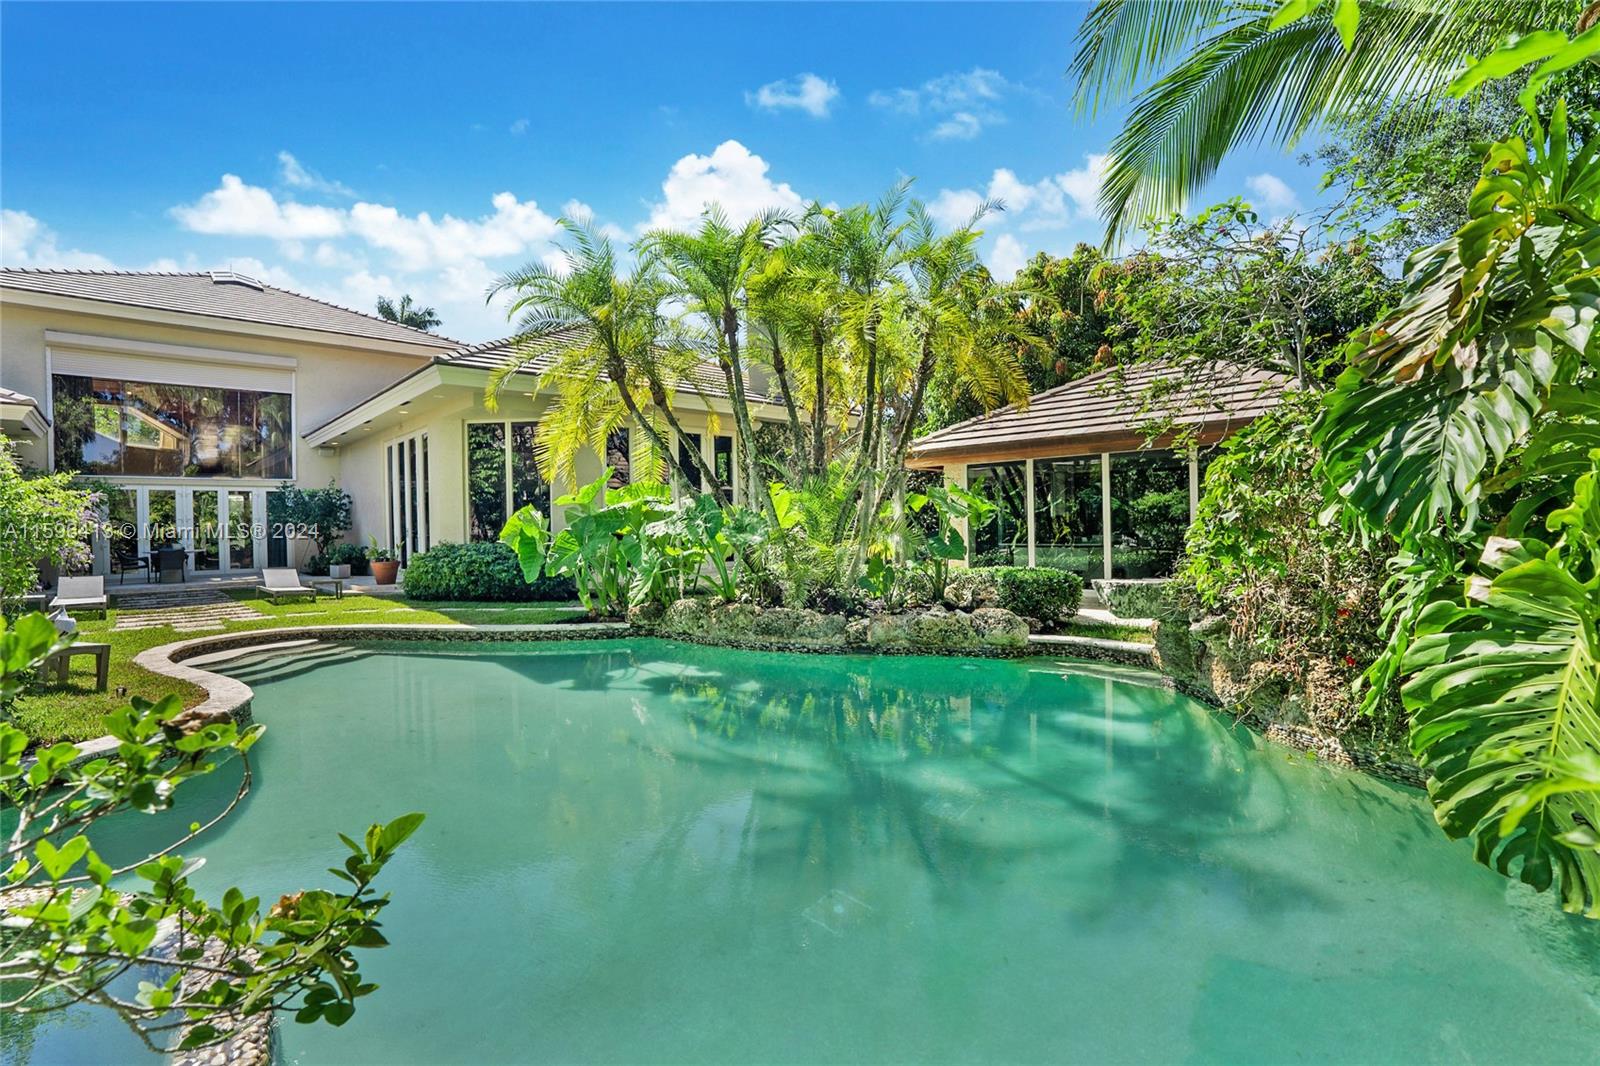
[[1194, 483], [956, 474], [1027, 473], [1105, 514]]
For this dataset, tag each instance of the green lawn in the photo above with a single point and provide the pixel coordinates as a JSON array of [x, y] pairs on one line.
[[73, 711]]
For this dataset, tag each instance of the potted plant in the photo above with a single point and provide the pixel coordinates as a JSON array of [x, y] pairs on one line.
[[346, 559], [385, 567]]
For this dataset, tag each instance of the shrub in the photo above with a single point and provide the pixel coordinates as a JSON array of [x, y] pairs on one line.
[[485, 570], [1041, 592], [351, 555]]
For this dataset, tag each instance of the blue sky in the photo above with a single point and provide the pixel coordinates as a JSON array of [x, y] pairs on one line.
[[352, 150]]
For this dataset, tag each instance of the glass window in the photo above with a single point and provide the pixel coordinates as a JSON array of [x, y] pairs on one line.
[[427, 515], [619, 457], [486, 479], [241, 531], [122, 525], [722, 464], [1003, 540], [688, 448], [1149, 512], [206, 555], [162, 520], [109, 426], [413, 495], [277, 536], [1067, 518], [528, 486]]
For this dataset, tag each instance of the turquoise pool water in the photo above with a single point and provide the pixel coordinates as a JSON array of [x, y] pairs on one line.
[[650, 852]]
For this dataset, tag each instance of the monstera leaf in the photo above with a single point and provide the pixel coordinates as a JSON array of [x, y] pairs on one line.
[[1452, 383], [1504, 694]]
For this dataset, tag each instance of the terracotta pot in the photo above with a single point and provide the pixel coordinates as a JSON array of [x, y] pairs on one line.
[[385, 573]]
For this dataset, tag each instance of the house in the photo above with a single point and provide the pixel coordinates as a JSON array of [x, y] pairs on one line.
[[1078, 482], [197, 396]]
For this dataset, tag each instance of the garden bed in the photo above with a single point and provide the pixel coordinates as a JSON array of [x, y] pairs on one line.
[[983, 631]]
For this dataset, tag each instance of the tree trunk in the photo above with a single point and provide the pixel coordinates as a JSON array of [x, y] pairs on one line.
[[741, 414], [658, 397], [781, 368], [819, 407]]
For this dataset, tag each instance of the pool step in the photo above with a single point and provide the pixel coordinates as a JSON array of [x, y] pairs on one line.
[[275, 665]]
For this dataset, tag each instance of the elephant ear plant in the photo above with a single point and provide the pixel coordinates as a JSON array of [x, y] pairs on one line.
[[943, 544], [73, 927]]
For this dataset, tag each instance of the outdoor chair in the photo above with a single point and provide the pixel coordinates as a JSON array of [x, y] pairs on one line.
[[122, 562], [279, 581], [170, 560], [81, 594]]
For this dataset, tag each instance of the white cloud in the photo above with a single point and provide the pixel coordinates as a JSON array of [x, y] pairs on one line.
[[1272, 194], [732, 176], [963, 103], [27, 242], [418, 242], [519, 127], [1006, 257], [961, 126], [298, 176], [235, 209], [954, 207], [1052, 202], [806, 92]]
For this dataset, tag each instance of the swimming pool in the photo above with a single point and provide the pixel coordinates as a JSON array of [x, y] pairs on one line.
[[641, 851]]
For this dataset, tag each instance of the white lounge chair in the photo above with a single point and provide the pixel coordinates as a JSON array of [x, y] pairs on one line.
[[75, 594], [282, 581]]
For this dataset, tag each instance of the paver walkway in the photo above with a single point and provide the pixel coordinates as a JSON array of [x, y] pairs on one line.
[[186, 610]]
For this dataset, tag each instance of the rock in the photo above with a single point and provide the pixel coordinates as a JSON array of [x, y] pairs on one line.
[[646, 614], [889, 631], [798, 625], [997, 628], [857, 633], [936, 629], [689, 616], [972, 588]]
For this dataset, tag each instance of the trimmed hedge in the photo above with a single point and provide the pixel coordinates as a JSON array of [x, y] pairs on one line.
[[1041, 592], [486, 570]]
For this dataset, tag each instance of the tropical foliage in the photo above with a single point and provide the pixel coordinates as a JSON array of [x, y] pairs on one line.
[[851, 313], [43, 518], [75, 925], [407, 313], [1209, 76]]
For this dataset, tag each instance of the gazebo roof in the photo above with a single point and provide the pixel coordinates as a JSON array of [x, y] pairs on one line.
[[1104, 411]]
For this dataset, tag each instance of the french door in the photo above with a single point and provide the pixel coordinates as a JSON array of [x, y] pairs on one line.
[[220, 530], [406, 464]]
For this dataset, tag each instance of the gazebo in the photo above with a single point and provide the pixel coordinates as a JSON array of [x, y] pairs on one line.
[[1101, 475]]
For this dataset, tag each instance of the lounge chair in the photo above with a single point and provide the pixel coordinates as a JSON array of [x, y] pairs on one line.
[[75, 594], [282, 581]]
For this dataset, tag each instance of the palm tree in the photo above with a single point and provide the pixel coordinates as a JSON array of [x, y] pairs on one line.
[[408, 314], [1207, 76], [612, 352], [711, 271]]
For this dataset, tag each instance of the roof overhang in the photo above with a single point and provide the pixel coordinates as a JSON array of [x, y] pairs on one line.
[[23, 418], [1067, 446], [216, 323], [438, 374]]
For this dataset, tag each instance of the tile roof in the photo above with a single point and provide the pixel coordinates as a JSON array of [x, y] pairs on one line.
[[491, 355], [217, 294], [1107, 406]]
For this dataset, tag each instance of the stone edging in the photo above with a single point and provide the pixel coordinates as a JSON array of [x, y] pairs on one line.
[[805, 648], [228, 697], [1322, 745], [1125, 652]]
